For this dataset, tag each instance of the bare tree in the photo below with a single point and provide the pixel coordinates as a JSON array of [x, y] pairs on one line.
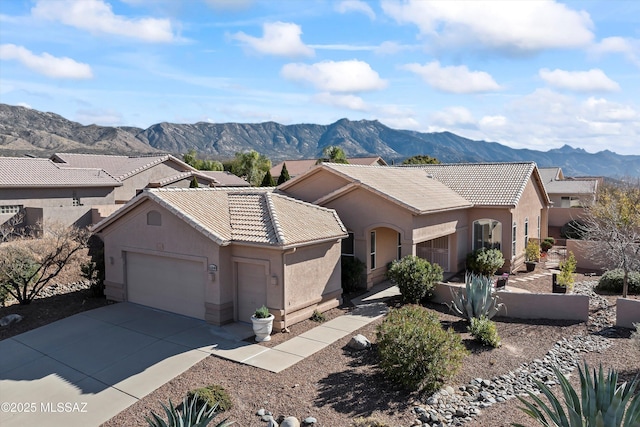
[[27, 265], [12, 227], [614, 221]]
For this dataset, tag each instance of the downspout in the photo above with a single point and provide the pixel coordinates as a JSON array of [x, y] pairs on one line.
[[284, 289]]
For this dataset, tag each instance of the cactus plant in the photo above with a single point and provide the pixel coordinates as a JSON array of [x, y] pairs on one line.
[[479, 300], [194, 413]]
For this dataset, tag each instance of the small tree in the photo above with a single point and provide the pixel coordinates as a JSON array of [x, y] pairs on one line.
[[614, 221], [284, 174], [421, 159], [414, 276], [567, 268], [333, 154], [12, 227], [485, 261], [28, 265], [194, 183], [251, 165], [268, 181], [191, 158]]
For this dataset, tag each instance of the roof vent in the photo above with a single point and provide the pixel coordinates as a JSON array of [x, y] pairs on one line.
[[429, 176]]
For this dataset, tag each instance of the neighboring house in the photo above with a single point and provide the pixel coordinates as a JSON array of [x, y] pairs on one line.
[[298, 167], [135, 173], [220, 253], [203, 178], [569, 196], [437, 212], [42, 191]]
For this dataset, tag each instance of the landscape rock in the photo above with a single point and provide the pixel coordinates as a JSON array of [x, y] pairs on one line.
[[309, 421], [290, 422], [359, 342], [10, 319]]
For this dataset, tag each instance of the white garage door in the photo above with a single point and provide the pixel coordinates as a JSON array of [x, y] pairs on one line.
[[170, 284], [252, 289]]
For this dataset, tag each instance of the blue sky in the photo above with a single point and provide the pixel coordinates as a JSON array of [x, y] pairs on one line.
[[528, 74]]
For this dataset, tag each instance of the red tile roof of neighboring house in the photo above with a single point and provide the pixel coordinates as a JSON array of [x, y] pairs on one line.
[[298, 167]]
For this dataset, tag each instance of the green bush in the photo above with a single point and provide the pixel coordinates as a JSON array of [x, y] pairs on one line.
[[532, 252], [352, 269], [262, 313], [547, 243], [567, 268], [574, 229], [214, 395], [415, 277], [611, 281], [318, 317], [485, 261], [415, 351], [484, 331]]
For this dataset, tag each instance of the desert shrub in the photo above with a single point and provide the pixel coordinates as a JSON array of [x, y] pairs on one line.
[[601, 401], [193, 413], [635, 335], [574, 229], [3, 296], [415, 277], [368, 422], [94, 269], [567, 268], [262, 313], [214, 395], [484, 331], [485, 261], [318, 317], [611, 281], [478, 299], [547, 243], [532, 252], [352, 269], [415, 351]]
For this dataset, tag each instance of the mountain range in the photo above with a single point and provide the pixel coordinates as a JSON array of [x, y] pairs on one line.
[[24, 131]]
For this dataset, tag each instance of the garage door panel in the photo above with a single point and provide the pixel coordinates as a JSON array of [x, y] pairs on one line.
[[170, 284]]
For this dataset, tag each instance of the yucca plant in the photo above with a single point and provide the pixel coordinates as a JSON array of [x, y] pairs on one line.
[[194, 413], [480, 300], [602, 402]]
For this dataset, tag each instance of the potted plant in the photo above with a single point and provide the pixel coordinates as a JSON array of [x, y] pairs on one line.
[[262, 322], [532, 254]]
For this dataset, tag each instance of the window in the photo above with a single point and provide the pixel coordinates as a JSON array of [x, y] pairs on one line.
[[75, 200], [373, 250], [526, 231], [154, 218], [539, 230], [10, 209], [487, 233], [399, 246], [514, 234], [570, 202], [347, 246]]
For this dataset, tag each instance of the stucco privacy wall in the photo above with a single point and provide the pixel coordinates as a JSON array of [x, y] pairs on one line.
[[173, 239], [627, 312], [527, 305], [586, 254]]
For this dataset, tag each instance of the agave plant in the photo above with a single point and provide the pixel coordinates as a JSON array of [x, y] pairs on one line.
[[603, 403], [480, 300], [194, 413]]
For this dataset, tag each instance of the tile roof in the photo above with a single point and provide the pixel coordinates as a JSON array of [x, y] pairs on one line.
[[298, 167], [550, 174], [226, 179], [556, 183], [484, 184], [121, 167], [34, 172], [245, 215], [409, 187]]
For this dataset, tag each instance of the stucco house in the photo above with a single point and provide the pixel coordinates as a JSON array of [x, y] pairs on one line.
[[569, 196], [203, 178], [300, 166], [219, 253], [40, 190], [438, 212]]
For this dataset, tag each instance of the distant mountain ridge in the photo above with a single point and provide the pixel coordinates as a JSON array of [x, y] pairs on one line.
[[27, 131]]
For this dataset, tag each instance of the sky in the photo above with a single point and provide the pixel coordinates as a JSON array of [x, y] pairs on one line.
[[528, 74]]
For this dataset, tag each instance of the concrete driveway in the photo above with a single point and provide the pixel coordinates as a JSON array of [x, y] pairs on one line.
[[83, 370]]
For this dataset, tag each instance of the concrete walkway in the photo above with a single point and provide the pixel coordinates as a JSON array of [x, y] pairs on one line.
[[85, 369], [369, 307]]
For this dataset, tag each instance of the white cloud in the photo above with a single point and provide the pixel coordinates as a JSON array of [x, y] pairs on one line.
[[46, 64], [628, 47], [454, 117], [99, 116], [97, 17], [512, 26], [454, 79], [24, 104], [340, 76], [351, 102], [391, 47], [605, 111], [359, 6], [279, 38], [579, 81], [493, 121]]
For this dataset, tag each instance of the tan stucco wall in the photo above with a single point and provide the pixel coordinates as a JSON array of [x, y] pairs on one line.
[[560, 216], [315, 186], [56, 197], [627, 312], [587, 255], [131, 185]]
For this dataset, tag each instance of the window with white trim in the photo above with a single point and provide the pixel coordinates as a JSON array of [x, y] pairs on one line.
[[372, 255], [526, 231], [487, 233], [10, 209], [539, 229]]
